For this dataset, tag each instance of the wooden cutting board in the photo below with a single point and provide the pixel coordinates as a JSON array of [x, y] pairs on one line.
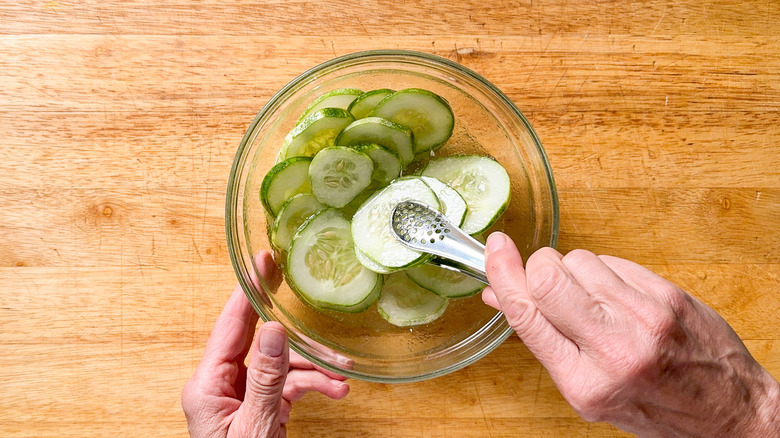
[[118, 124]]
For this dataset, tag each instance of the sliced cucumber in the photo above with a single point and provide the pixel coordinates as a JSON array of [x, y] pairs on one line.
[[284, 181], [370, 264], [444, 282], [364, 103], [341, 98], [371, 223], [481, 181], [350, 209], [428, 115], [388, 166], [292, 214], [391, 135], [322, 267], [338, 174], [317, 131], [404, 303], [452, 204]]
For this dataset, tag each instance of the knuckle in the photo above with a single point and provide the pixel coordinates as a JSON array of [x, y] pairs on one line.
[[194, 402], [631, 364], [640, 360], [294, 386], [592, 414], [519, 313], [265, 378], [188, 397], [667, 333], [546, 281], [543, 255], [674, 297], [664, 323], [578, 257], [592, 407]]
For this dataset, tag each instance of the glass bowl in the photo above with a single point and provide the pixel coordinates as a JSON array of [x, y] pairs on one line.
[[363, 345]]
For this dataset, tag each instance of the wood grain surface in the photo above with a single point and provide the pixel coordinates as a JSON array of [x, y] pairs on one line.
[[118, 125]]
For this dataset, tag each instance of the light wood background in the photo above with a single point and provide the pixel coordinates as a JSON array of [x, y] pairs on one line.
[[118, 124]]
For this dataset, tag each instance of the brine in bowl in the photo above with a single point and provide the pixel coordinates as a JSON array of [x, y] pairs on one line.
[[360, 341]]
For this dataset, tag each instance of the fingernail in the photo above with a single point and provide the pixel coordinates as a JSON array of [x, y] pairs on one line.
[[495, 242], [338, 385], [271, 342]]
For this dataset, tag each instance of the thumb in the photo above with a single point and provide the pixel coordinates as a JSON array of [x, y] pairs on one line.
[[504, 266], [265, 377], [504, 269]]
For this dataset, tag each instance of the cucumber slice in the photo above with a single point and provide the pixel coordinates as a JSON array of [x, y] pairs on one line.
[[370, 264], [403, 303], [371, 223], [364, 103], [340, 98], [317, 131], [292, 215], [391, 135], [388, 166], [444, 282], [452, 204], [428, 115], [322, 267], [338, 174], [284, 181], [481, 181]]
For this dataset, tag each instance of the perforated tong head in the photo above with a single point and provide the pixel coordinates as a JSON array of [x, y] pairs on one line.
[[424, 229]]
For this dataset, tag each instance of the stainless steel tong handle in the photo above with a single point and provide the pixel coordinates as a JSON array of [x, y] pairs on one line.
[[422, 228]]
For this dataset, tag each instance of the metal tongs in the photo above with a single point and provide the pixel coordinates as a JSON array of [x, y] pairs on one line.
[[424, 229]]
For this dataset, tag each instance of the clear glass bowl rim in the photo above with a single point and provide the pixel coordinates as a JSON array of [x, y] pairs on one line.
[[279, 97]]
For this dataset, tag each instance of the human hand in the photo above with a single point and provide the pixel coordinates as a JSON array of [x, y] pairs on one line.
[[626, 346], [226, 398]]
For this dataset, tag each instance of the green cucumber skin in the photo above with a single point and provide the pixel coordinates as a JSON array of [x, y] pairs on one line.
[[429, 170], [370, 263], [447, 193], [357, 109], [421, 143], [276, 234], [375, 292], [347, 136], [338, 92], [305, 124], [390, 289], [269, 178], [468, 292], [378, 153], [357, 308]]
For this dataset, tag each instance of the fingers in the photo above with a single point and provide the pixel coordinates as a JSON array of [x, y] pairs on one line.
[[616, 293], [231, 336], [509, 291], [489, 298], [267, 269], [299, 362], [299, 382], [266, 375], [558, 294], [650, 285], [266, 277], [284, 412], [638, 277]]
